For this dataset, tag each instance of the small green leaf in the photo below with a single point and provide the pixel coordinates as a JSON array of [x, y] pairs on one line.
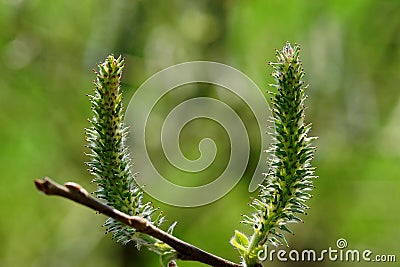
[[240, 241], [168, 257]]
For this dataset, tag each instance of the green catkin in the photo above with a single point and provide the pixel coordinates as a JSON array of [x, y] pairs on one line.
[[110, 160], [287, 184]]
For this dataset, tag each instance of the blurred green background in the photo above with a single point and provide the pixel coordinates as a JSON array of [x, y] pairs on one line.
[[351, 54]]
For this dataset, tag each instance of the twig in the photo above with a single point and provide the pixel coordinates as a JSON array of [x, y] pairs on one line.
[[78, 194]]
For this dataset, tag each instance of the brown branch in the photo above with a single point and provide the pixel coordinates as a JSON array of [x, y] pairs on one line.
[[78, 194]]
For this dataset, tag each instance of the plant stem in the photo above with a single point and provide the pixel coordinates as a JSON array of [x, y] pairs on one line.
[[79, 195]]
